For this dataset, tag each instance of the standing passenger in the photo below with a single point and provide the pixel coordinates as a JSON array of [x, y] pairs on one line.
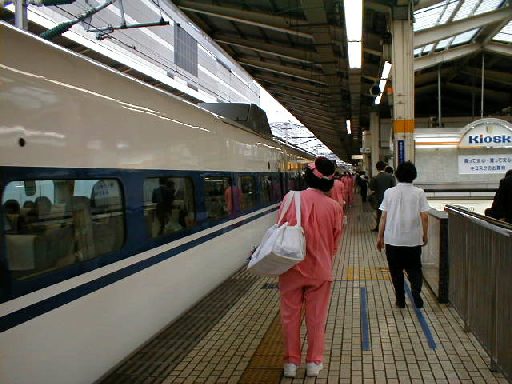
[[404, 230], [309, 282], [378, 185]]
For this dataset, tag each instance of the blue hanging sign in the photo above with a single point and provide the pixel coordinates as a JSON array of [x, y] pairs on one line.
[[401, 151]]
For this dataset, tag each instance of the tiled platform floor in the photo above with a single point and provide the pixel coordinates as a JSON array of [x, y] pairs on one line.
[[233, 335]]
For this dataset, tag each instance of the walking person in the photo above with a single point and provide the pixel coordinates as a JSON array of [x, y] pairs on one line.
[[362, 182], [403, 231], [308, 284], [378, 185]]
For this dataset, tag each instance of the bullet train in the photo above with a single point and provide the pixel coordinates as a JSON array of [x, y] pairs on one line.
[[122, 206]]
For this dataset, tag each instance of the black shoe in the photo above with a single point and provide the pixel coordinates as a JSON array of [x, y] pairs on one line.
[[375, 230], [399, 304], [418, 303]]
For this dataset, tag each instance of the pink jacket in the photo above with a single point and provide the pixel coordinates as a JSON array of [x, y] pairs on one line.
[[338, 192], [322, 223]]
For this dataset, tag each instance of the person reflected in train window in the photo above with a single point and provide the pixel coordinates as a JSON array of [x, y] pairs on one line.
[[403, 230], [12, 216], [232, 197], [43, 206], [163, 197], [308, 284], [501, 208]]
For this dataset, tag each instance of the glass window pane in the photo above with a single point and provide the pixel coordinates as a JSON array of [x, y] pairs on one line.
[[49, 224], [248, 196], [169, 205], [219, 197]]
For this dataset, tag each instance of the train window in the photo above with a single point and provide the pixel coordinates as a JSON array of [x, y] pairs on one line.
[[248, 197], [169, 205], [60, 222], [221, 197]]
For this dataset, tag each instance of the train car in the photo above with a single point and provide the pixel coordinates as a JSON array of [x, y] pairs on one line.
[[122, 206]]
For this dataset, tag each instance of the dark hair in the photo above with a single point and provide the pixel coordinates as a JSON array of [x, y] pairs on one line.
[[325, 167], [406, 172], [389, 169], [509, 173], [380, 165]]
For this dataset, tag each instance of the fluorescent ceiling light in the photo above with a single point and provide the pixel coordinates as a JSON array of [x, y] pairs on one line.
[[386, 70], [383, 80], [354, 54], [354, 26], [353, 19], [349, 130]]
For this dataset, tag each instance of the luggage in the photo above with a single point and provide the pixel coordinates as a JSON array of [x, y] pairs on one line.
[[282, 246]]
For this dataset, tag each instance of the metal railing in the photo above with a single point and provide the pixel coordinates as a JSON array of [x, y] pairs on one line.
[[480, 281], [434, 255]]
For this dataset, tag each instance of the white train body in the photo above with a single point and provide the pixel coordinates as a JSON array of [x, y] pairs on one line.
[[64, 116]]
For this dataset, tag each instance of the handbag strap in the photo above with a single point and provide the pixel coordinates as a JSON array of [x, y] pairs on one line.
[[297, 208], [288, 202]]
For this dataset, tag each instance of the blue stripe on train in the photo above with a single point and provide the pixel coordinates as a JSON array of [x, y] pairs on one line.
[[32, 311]]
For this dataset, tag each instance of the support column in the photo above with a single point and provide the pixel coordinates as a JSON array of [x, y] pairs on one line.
[[375, 140], [21, 14], [403, 89]]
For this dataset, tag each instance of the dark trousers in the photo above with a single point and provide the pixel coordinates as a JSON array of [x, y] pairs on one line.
[[379, 214], [408, 259]]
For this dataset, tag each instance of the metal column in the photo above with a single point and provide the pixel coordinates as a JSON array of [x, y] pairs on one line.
[[375, 140], [403, 87]]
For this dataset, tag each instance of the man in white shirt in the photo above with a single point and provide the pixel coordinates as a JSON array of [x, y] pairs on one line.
[[403, 230]]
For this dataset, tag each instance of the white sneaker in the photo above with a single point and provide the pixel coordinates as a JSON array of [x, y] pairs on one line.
[[313, 369], [290, 370]]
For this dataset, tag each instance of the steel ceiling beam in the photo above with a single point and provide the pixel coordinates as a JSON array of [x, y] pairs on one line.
[[263, 20], [448, 55], [275, 49], [501, 49]]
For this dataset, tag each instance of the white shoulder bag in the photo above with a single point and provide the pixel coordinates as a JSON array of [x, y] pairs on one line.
[[282, 246]]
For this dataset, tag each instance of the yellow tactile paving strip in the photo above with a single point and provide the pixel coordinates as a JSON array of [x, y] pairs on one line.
[[237, 339], [266, 365], [357, 273]]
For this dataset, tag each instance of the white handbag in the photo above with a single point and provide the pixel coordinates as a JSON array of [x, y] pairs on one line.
[[282, 246]]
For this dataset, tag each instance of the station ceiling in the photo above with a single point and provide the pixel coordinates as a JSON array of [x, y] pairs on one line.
[[297, 51]]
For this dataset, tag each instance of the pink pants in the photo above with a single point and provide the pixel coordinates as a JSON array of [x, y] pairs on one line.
[[297, 290]]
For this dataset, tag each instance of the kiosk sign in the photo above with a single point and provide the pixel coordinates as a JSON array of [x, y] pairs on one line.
[[487, 133]]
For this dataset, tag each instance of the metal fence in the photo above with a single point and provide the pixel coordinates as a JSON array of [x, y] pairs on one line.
[[434, 255], [480, 281]]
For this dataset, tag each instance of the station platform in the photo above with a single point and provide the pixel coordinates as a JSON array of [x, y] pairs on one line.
[[233, 335]]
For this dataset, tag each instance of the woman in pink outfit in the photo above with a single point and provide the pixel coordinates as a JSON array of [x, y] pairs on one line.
[[309, 282]]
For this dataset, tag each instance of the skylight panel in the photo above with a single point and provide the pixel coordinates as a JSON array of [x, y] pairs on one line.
[[487, 6], [505, 34], [444, 43], [428, 48], [448, 12], [417, 51], [464, 37], [428, 17], [466, 9]]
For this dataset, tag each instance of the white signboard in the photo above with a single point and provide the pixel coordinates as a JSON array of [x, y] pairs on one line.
[[487, 133], [484, 164]]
